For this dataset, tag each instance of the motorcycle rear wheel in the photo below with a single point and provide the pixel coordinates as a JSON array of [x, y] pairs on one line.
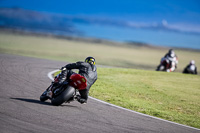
[[64, 96]]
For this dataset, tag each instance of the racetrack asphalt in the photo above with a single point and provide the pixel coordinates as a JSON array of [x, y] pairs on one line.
[[22, 81]]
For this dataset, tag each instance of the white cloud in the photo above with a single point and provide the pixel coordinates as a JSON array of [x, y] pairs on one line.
[[164, 22]]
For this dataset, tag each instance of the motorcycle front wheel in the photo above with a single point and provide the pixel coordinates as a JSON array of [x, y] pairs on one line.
[[160, 68], [43, 97]]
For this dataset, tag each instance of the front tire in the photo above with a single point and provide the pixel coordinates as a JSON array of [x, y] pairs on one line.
[[43, 98], [160, 68], [64, 96]]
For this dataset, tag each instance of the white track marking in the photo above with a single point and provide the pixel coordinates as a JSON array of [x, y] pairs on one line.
[[50, 75]]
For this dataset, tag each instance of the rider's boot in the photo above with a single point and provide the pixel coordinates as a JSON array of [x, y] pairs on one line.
[[81, 100]]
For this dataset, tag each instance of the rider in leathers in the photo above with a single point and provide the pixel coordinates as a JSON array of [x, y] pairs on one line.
[[86, 69], [172, 58], [190, 68]]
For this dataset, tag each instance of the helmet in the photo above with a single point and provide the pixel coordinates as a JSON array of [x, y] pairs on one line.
[[90, 60], [171, 53], [170, 50], [192, 62]]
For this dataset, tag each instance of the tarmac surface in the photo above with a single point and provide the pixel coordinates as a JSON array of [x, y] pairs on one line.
[[22, 81]]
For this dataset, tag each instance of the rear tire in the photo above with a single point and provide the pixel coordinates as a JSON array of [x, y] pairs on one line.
[[64, 96]]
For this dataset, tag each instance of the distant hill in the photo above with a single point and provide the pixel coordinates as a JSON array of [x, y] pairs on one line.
[[19, 18]]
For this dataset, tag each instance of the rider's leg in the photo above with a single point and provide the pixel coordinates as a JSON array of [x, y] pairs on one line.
[[83, 96]]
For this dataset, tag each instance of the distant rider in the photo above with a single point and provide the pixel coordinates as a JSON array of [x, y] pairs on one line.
[[172, 60], [190, 68], [86, 69]]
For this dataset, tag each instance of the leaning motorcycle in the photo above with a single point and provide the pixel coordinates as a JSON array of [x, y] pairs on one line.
[[65, 92], [164, 65]]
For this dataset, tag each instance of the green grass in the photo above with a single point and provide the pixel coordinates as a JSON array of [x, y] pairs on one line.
[[171, 96]]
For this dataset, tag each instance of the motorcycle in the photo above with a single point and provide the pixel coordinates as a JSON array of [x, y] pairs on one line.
[[164, 65], [67, 91], [190, 69]]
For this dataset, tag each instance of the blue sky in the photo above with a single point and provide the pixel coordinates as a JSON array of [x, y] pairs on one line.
[[182, 15], [174, 11]]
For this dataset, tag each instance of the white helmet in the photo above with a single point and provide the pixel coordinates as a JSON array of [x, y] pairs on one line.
[[192, 62], [172, 54]]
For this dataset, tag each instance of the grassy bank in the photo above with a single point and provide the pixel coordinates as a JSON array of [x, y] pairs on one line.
[[171, 96]]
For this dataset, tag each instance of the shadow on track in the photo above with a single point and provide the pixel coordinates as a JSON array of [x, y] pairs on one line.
[[31, 101], [38, 102]]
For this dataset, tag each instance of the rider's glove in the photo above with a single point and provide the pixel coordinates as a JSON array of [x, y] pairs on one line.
[[63, 68]]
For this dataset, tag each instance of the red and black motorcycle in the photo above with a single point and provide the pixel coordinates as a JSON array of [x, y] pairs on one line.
[[164, 65], [65, 92]]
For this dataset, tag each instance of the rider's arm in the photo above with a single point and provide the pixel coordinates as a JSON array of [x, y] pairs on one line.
[[73, 66]]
